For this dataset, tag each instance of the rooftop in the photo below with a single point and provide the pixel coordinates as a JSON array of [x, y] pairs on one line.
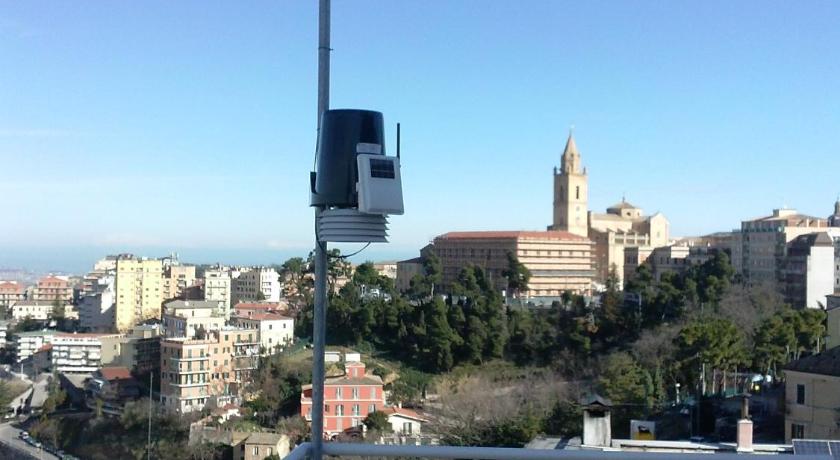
[[191, 304], [266, 317], [269, 439], [825, 363], [115, 373], [515, 234]]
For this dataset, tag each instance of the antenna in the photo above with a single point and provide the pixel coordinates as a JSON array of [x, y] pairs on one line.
[[398, 140]]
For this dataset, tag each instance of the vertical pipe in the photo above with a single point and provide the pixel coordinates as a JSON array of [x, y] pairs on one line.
[[320, 313], [149, 439]]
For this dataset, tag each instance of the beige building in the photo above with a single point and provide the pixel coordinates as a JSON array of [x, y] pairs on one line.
[[406, 271], [762, 243], [832, 321], [207, 373], [185, 318], [52, 288], [622, 226], [812, 398], [139, 290], [258, 446], [571, 193], [176, 280], [11, 292], [217, 286], [262, 283], [558, 261], [140, 348]]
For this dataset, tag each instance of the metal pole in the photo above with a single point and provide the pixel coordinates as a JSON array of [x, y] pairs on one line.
[[149, 439], [319, 331]]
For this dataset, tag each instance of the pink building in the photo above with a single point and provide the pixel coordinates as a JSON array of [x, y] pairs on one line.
[[52, 288], [10, 292], [348, 399]]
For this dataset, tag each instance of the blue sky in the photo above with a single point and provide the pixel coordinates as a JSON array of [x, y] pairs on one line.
[[190, 126]]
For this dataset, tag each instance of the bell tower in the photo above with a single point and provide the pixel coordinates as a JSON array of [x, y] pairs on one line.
[[571, 192]]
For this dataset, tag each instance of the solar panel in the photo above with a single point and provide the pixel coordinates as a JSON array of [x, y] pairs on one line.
[[835, 449], [810, 447]]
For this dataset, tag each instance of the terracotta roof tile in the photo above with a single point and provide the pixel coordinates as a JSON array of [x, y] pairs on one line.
[[115, 373]]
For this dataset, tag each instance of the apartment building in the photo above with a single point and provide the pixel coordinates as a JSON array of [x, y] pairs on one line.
[[140, 348], [34, 309], [27, 343], [177, 279], [11, 292], [209, 372], [348, 399], [406, 271], [256, 284], [217, 286], [809, 270], [812, 401], [676, 259], [53, 288], [188, 318], [97, 311], [139, 290], [83, 353], [763, 243], [259, 446], [275, 330], [558, 261]]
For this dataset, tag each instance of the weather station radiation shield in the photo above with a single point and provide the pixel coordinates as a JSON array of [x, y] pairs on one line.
[[355, 185]]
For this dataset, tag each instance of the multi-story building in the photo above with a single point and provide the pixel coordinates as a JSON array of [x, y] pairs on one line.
[[177, 279], [27, 343], [812, 402], [34, 309], [83, 353], [275, 331], [11, 292], [259, 446], [623, 225], [53, 288], [675, 259], [558, 261], [140, 349], [832, 321], [139, 291], [4, 329], [190, 318], [387, 269], [406, 271], [260, 283], [217, 286], [763, 243], [97, 307], [248, 309], [209, 372], [348, 399], [810, 267]]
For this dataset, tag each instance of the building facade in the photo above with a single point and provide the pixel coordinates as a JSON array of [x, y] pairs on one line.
[[559, 261], [763, 243], [190, 318], [571, 193], [11, 292], [27, 343], [97, 307], [140, 349], [260, 283], [33, 309], [83, 353], [177, 279], [139, 291], [809, 269], [207, 373], [406, 271], [812, 399], [347, 399], [217, 286], [275, 331], [53, 288]]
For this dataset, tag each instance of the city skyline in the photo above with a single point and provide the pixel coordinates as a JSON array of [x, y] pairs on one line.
[[190, 128]]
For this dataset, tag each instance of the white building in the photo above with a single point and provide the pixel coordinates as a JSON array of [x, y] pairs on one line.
[[810, 267], [217, 286], [34, 309], [29, 342], [257, 284], [185, 318], [96, 309], [80, 352], [275, 330]]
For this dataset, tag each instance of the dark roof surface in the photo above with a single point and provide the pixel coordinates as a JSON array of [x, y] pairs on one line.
[[825, 363]]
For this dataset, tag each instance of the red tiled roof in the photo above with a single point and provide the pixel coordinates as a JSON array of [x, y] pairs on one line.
[[11, 285], [265, 316], [258, 306], [548, 234], [115, 373], [403, 412], [45, 347]]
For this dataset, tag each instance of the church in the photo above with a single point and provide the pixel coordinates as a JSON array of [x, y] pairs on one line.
[[622, 226]]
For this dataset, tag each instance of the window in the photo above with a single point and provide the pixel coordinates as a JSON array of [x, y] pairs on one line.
[[356, 409], [800, 394], [256, 450], [338, 393], [406, 428], [355, 393], [577, 192], [339, 409], [326, 408], [797, 431], [268, 451]]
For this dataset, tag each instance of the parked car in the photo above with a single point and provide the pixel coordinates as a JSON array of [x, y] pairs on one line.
[[23, 435]]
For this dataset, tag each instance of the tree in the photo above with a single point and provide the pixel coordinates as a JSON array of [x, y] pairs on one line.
[[715, 342], [517, 275], [57, 310], [377, 421]]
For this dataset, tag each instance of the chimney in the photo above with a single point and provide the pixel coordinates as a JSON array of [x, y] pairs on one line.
[[745, 427]]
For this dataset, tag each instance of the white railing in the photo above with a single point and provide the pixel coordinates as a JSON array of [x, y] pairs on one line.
[[339, 449]]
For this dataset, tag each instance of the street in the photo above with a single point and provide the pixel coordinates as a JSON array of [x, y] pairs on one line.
[[9, 436]]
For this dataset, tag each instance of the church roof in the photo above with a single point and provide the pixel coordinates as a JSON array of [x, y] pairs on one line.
[[623, 205], [571, 147]]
